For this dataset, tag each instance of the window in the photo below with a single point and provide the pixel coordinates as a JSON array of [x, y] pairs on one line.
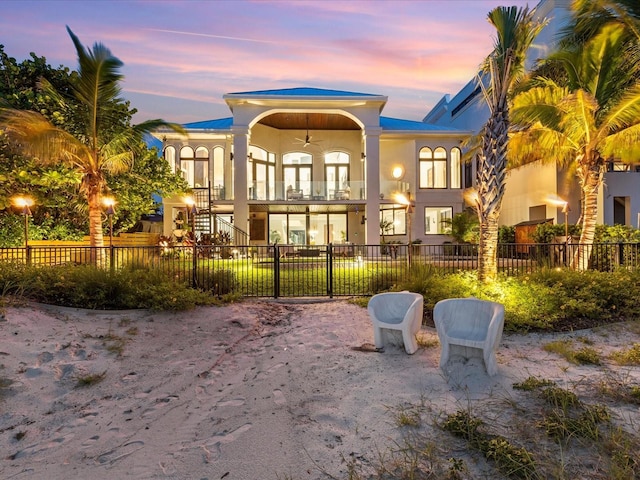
[[195, 166], [218, 173], [336, 173], [170, 157], [260, 172], [297, 172], [456, 168], [433, 168], [435, 220], [393, 221]]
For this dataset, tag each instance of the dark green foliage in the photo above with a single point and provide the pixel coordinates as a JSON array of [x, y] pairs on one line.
[[532, 383], [59, 212], [507, 234], [548, 299], [381, 280], [89, 287], [217, 282], [547, 233], [512, 461]]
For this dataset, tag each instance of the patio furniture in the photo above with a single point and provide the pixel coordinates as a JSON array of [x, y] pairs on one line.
[[295, 195], [341, 195], [469, 323], [396, 311]]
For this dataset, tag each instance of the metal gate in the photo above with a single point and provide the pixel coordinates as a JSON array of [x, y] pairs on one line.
[[318, 270]]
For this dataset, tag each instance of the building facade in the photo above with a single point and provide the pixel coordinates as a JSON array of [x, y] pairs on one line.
[[307, 166], [532, 191]]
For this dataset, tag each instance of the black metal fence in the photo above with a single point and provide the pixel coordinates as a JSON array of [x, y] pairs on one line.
[[319, 270]]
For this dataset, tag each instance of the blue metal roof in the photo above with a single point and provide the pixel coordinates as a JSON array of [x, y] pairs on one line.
[[397, 124], [152, 141], [306, 91], [216, 124], [388, 124]]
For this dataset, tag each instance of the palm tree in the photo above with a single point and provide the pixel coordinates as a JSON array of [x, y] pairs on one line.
[[100, 143], [516, 29], [592, 116], [589, 16]]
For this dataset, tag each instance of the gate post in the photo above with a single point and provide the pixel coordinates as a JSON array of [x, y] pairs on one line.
[[330, 270], [276, 271]]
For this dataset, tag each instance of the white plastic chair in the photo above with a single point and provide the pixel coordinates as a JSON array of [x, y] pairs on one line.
[[397, 311], [470, 322]]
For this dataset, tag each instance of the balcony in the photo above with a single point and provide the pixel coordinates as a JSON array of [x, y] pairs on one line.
[[307, 192]]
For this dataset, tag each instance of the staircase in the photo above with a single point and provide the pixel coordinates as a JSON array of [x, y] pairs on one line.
[[208, 223]]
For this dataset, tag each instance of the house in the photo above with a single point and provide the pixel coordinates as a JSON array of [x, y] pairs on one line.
[[533, 191], [312, 166]]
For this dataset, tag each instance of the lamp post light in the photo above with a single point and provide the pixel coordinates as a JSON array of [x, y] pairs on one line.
[[110, 204], [566, 209], [24, 204], [409, 206], [193, 210]]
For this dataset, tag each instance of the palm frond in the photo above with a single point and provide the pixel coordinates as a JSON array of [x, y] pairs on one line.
[[40, 139], [579, 121], [539, 104], [623, 145], [98, 83], [625, 113]]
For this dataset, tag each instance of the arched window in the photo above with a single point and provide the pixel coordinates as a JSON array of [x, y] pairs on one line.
[[170, 157], [456, 168], [195, 166], [433, 168], [336, 168]]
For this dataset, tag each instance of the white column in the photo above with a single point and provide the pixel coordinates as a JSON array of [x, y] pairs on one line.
[[240, 205], [372, 174]]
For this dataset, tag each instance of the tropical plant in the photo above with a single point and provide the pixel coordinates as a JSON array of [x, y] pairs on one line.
[[516, 29], [589, 16], [95, 146], [595, 117], [385, 226], [463, 227]]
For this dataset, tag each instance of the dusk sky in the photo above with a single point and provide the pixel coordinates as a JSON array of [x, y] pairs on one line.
[[180, 57]]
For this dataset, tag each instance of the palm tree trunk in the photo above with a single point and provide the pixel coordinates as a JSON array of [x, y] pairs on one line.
[[487, 250], [96, 239], [492, 172], [590, 175]]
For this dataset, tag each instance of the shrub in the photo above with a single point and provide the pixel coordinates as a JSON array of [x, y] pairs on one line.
[[86, 286], [217, 282]]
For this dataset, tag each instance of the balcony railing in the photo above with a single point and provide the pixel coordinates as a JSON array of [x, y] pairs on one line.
[[307, 191]]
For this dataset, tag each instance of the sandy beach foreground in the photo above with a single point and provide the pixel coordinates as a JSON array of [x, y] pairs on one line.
[[257, 390]]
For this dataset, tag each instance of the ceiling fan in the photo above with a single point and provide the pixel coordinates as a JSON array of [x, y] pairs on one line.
[[307, 141]]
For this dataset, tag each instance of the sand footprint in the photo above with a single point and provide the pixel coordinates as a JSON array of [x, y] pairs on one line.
[[278, 397], [90, 441], [230, 436], [159, 403], [234, 402], [120, 452]]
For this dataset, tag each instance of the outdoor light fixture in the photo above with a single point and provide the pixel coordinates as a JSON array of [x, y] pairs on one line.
[[566, 209], [193, 211], [559, 202], [24, 204], [409, 205], [110, 204], [397, 172]]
